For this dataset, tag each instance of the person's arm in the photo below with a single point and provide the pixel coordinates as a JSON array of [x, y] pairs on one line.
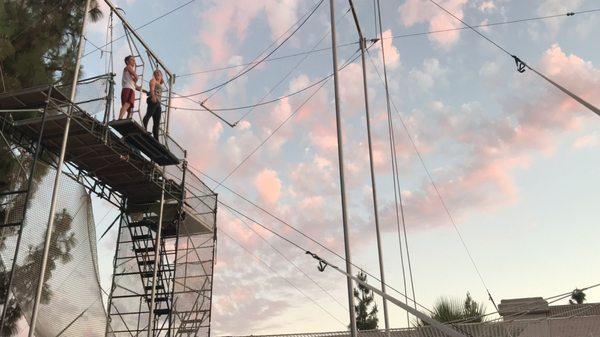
[[152, 94], [131, 71]]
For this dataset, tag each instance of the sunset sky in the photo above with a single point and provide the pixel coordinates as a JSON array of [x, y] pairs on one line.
[[515, 160]]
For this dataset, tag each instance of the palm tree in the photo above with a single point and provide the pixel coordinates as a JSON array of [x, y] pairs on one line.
[[448, 310], [577, 296]]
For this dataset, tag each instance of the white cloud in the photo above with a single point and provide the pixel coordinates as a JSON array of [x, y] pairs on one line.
[[430, 73]]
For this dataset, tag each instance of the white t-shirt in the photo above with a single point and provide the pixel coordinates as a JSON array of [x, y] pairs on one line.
[[127, 81]]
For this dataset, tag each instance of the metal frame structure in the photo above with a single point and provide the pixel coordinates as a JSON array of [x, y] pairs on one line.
[[179, 268]]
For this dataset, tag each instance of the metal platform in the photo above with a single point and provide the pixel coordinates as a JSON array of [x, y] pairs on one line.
[[136, 136], [95, 150]]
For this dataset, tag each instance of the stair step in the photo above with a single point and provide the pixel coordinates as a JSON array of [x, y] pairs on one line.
[[163, 311], [146, 263], [192, 321], [158, 299], [143, 250], [190, 330], [141, 223], [158, 287], [151, 273], [141, 237]]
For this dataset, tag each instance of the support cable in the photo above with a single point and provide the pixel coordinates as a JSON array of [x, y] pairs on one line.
[[142, 26], [281, 276], [398, 205], [240, 164], [254, 65], [293, 228], [322, 264], [287, 75], [522, 65], [431, 32], [288, 260], [439, 195]]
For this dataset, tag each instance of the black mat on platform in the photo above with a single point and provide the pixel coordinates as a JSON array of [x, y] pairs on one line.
[[136, 136]]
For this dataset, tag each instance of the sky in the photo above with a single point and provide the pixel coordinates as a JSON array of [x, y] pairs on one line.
[[514, 159]]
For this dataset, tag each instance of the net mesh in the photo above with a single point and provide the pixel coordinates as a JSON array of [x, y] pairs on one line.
[[71, 300]]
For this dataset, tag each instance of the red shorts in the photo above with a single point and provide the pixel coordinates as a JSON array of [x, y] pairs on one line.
[[128, 96]]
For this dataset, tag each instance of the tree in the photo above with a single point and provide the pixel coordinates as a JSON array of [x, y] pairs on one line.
[[366, 309], [448, 310], [577, 296], [38, 46]]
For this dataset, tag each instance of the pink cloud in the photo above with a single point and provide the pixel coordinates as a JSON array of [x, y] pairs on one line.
[[413, 12], [268, 185]]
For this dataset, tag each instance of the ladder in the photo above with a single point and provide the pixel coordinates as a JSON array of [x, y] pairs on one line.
[[143, 240]]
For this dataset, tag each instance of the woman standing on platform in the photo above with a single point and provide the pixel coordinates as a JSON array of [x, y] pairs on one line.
[[154, 109]]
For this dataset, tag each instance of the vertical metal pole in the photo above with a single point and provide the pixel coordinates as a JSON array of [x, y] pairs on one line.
[[40, 285], [363, 46], [374, 187], [340, 143], [115, 259], [156, 257], [27, 197], [168, 114]]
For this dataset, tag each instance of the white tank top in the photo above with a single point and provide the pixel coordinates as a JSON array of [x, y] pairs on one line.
[[127, 81]]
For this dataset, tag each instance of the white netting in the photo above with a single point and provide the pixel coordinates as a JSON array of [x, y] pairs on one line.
[[72, 299]]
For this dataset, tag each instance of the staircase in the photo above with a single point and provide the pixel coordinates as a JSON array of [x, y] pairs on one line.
[[143, 239]]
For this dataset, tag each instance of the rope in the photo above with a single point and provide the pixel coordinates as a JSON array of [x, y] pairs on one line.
[[521, 65], [396, 181]]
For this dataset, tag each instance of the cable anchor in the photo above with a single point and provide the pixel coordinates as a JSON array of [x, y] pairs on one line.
[[322, 263], [521, 66]]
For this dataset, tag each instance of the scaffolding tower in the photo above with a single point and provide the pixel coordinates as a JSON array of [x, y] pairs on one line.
[[163, 263]]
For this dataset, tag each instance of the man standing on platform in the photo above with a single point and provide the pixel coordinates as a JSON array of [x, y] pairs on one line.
[[129, 86]]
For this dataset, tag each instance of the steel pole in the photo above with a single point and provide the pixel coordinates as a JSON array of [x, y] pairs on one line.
[[40, 285], [363, 46], [156, 257], [340, 143]]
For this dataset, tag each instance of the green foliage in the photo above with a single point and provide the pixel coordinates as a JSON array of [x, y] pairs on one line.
[[448, 310], [577, 296], [365, 309]]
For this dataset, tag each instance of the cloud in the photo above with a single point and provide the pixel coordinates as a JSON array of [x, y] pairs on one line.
[[392, 55], [413, 12], [486, 6], [587, 141], [430, 73], [268, 185], [551, 7]]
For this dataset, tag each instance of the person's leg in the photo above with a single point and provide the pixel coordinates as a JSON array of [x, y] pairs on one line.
[[131, 100], [124, 103], [124, 108], [156, 120], [149, 113]]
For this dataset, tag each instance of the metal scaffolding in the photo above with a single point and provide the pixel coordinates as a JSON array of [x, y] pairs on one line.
[[163, 264]]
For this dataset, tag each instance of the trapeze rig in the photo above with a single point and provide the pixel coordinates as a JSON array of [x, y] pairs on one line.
[[163, 265]]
